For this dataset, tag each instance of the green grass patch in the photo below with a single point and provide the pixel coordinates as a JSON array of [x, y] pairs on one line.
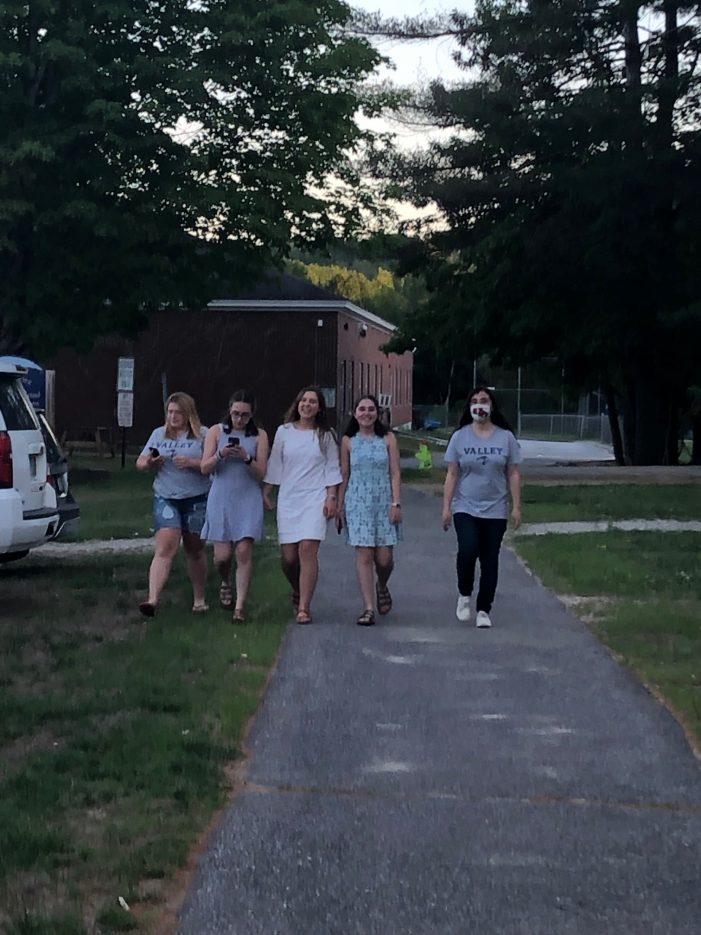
[[436, 475], [115, 733], [642, 596], [114, 502], [549, 504]]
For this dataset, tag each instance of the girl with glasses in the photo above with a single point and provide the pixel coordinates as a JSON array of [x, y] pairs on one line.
[[236, 456]]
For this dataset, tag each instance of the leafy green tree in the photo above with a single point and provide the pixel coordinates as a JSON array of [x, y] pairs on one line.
[[155, 153], [568, 189]]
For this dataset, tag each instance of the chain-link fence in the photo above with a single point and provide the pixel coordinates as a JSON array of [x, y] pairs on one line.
[[565, 427]]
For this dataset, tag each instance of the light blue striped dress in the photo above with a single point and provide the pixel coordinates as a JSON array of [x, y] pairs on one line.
[[235, 502]]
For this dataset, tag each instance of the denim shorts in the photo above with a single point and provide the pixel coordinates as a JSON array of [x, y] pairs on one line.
[[187, 514]]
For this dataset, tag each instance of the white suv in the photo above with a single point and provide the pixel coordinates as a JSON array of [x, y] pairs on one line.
[[28, 512]]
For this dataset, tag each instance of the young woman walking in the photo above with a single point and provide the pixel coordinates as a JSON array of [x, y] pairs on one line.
[[482, 459], [236, 457], [369, 503], [304, 464]]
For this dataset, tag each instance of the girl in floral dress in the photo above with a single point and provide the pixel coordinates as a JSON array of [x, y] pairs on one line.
[[370, 504]]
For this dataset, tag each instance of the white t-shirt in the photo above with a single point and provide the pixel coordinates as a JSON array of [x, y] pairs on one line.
[[483, 485]]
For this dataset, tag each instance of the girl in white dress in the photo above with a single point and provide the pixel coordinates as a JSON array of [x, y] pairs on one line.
[[304, 464]]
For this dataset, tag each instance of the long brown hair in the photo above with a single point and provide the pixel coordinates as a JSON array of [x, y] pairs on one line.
[[321, 419], [187, 404]]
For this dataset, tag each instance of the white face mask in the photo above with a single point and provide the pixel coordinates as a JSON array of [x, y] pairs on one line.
[[480, 412]]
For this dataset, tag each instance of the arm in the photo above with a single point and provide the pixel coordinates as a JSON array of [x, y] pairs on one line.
[[210, 455], [146, 461], [345, 474], [515, 490], [273, 475], [449, 485], [395, 479], [259, 466], [332, 477]]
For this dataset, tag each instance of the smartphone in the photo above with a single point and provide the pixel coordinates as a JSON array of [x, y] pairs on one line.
[[155, 453], [233, 442]]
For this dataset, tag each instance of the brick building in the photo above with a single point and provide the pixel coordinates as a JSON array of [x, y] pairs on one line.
[[282, 335]]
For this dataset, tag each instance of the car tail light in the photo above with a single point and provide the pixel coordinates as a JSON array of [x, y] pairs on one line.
[[6, 477]]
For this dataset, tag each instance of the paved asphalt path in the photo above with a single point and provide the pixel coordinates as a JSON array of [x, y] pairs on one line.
[[424, 776]]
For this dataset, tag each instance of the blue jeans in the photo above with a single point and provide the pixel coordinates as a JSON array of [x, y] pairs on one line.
[[187, 514], [478, 538]]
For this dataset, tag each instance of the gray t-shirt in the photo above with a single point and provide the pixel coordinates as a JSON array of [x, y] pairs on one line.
[[172, 482], [483, 485]]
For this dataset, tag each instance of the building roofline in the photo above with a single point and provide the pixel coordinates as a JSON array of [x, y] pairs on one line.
[[300, 305]]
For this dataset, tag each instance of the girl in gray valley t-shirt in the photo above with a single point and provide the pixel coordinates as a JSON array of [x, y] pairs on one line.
[[482, 460], [483, 485]]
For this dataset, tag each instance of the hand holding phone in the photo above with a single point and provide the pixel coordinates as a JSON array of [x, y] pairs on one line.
[[155, 453], [233, 442]]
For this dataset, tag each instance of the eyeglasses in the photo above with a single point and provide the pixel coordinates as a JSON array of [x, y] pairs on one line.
[[240, 415]]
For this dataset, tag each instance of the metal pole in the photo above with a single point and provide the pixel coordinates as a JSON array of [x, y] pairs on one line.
[[124, 447], [518, 403]]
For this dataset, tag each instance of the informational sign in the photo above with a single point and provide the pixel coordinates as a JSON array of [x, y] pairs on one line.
[[125, 375], [125, 410]]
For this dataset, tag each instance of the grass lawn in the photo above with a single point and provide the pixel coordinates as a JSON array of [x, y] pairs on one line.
[[547, 504], [115, 503], [116, 733], [641, 593]]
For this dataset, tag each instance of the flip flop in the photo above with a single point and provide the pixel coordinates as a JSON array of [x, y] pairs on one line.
[[384, 600], [226, 596], [200, 608], [239, 615], [303, 616]]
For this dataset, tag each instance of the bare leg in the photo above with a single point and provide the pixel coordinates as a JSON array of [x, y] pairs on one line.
[[196, 559], [384, 564], [223, 555], [308, 571], [364, 556], [244, 567], [289, 559], [167, 544]]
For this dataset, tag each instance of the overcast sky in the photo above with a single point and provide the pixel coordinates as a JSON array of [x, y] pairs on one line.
[[416, 61]]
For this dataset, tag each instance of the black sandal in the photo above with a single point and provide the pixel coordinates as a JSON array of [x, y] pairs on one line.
[[384, 600], [366, 619]]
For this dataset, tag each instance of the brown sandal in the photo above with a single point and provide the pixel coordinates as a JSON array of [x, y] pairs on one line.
[[226, 596], [366, 619], [303, 616], [384, 600]]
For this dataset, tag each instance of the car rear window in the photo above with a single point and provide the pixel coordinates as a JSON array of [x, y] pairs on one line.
[[16, 411]]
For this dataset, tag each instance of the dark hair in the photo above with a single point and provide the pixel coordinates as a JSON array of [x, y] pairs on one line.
[[241, 396], [353, 427], [497, 416]]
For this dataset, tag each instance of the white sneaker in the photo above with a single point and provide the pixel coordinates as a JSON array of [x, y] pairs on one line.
[[483, 619], [462, 611]]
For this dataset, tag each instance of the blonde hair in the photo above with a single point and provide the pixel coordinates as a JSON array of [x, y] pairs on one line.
[[187, 404]]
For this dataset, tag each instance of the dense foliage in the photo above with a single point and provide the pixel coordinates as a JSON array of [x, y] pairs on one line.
[[150, 151], [569, 186]]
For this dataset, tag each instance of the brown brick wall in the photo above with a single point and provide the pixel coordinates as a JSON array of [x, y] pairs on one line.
[[209, 354], [364, 368]]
